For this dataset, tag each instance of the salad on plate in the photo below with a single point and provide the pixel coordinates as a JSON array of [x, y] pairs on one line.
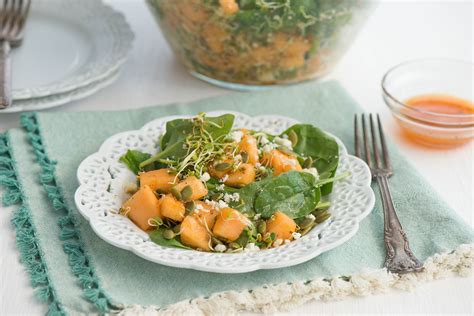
[[218, 189]]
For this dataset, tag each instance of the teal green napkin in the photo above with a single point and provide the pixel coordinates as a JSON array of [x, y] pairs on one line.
[[84, 273]]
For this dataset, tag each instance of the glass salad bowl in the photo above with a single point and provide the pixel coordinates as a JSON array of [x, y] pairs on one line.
[[247, 44]]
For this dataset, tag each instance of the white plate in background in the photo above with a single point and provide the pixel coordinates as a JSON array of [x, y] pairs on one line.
[[67, 45]]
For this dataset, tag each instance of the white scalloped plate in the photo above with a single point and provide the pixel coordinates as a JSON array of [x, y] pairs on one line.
[[68, 44], [102, 180]]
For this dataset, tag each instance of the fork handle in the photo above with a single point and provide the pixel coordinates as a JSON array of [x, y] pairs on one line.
[[5, 75], [399, 257]]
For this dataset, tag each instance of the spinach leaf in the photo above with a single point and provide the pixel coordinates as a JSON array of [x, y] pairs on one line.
[[322, 148], [179, 130], [294, 193], [157, 237], [176, 131], [219, 126], [133, 159], [248, 194]]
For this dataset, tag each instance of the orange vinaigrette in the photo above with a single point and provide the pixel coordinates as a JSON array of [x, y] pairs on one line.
[[427, 107]]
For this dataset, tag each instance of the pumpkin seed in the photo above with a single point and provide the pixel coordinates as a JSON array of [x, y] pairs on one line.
[[322, 216], [306, 222], [215, 241], [308, 162], [306, 230], [322, 206], [177, 229], [223, 166], [286, 151], [186, 193], [216, 196], [245, 156], [293, 137], [168, 234], [262, 227], [174, 191], [234, 245], [189, 207], [159, 192]]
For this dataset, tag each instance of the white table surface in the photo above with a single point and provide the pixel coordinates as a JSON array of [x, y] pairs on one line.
[[397, 31]]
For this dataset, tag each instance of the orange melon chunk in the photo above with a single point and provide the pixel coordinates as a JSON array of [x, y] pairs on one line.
[[248, 144], [282, 225], [229, 7], [172, 208], [142, 206], [194, 234], [198, 188], [161, 179], [229, 224], [205, 214], [281, 162], [244, 175]]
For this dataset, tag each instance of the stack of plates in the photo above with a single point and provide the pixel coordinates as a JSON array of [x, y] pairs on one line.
[[71, 50]]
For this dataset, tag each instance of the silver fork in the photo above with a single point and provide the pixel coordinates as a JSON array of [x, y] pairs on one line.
[[399, 257], [13, 16]]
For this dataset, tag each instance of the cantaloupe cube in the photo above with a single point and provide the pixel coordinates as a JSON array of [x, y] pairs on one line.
[[161, 179], [205, 213], [248, 144], [198, 188], [142, 206], [280, 162], [229, 224], [172, 208], [282, 225], [244, 175], [219, 174], [194, 234]]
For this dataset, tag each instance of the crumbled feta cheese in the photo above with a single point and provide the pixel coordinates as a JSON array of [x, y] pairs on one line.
[[311, 216], [283, 142], [236, 136], [238, 158], [258, 165], [277, 242], [296, 235], [224, 178], [312, 171], [220, 248], [198, 207], [205, 177], [251, 247], [221, 204], [227, 197], [220, 187], [257, 216], [268, 147], [263, 140], [234, 197]]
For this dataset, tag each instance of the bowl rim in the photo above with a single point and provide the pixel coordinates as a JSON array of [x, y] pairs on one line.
[[404, 105]]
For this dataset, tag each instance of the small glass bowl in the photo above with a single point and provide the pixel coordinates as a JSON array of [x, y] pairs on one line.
[[442, 77]]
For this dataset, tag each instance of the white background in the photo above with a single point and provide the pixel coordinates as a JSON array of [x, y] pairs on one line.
[[397, 31]]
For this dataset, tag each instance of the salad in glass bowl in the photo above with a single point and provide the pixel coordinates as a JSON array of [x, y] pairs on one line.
[[218, 189], [250, 43]]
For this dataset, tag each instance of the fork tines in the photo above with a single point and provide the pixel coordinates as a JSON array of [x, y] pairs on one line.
[[13, 15], [380, 163]]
